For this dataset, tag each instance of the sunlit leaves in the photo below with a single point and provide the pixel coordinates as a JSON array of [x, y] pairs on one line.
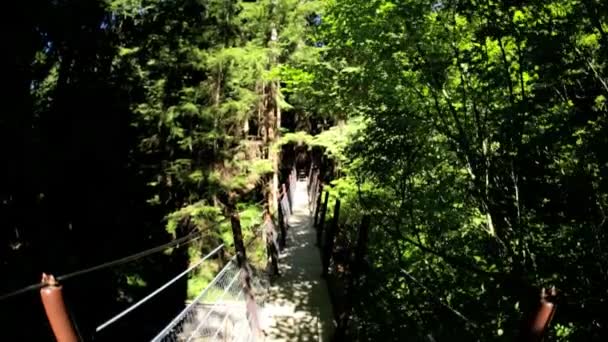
[[484, 120]]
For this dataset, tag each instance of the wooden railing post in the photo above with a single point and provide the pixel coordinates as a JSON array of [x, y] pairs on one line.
[[237, 233], [288, 192], [310, 182], [56, 312], [353, 285], [329, 241], [322, 220], [317, 186], [314, 188], [312, 199], [285, 195], [310, 173], [272, 243], [245, 270], [282, 224], [293, 179], [318, 204]]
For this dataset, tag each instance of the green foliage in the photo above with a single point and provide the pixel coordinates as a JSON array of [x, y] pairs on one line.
[[133, 121], [199, 214], [297, 138], [473, 132], [482, 135], [333, 141], [201, 279]]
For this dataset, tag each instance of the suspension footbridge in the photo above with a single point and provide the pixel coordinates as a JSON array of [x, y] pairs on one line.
[[296, 307], [290, 302]]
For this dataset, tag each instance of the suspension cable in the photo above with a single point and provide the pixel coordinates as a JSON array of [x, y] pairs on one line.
[[183, 240], [157, 291]]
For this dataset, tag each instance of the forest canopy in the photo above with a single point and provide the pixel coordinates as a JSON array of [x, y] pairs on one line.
[[471, 132]]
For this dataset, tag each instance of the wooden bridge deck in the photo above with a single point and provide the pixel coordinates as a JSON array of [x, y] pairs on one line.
[[298, 306]]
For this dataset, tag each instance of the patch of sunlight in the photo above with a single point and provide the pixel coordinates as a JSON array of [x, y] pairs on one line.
[[135, 280], [201, 279]]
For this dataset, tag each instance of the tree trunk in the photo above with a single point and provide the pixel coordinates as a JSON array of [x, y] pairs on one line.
[[273, 120]]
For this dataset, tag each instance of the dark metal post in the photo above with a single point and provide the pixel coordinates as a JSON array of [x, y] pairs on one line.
[[353, 285], [322, 220], [329, 241], [56, 312]]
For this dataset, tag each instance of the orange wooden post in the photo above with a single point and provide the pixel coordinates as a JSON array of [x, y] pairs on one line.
[[56, 312], [539, 320]]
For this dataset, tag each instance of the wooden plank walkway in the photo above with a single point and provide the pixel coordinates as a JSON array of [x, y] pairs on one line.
[[298, 307]]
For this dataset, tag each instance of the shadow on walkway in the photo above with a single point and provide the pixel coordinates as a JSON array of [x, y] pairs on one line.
[[298, 307]]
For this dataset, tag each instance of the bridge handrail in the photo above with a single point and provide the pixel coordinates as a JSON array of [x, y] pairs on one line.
[[184, 312], [157, 291]]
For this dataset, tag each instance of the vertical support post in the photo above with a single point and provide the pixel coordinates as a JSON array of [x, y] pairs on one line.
[[312, 194], [316, 188], [322, 220], [309, 179], [282, 226], [537, 322], [309, 183], [272, 245], [319, 197], [56, 312], [245, 270], [353, 284], [286, 192], [286, 195], [292, 186], [237, 234], [329, 242]]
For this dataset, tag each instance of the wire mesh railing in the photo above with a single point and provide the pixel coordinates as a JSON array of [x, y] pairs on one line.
[[218, 313]]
